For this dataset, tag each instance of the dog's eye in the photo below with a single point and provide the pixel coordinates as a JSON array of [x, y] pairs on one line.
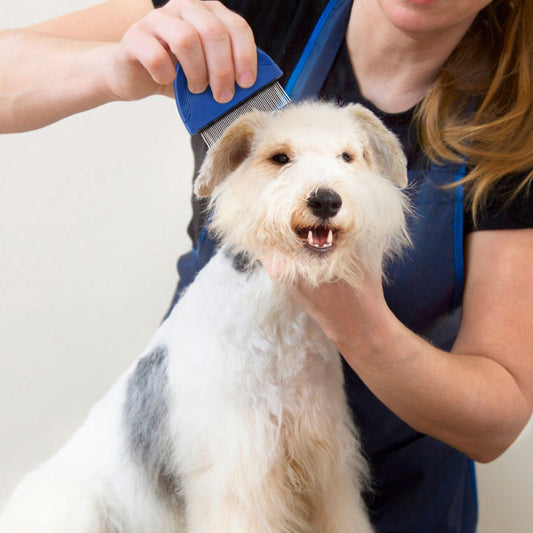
[[346, 157], [280, 158]]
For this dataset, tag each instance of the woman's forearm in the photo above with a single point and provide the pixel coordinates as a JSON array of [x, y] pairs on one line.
[[468, 401], [477, 398], [45, 78]]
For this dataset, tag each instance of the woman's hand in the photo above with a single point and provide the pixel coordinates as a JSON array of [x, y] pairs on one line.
[[214, 46], [355, 319], [120, 50]]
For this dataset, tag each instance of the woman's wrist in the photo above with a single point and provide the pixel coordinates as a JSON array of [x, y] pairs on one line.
[[373, 343]]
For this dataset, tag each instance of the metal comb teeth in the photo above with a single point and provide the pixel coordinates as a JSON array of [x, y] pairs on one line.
[[270, 98], [202, 114]]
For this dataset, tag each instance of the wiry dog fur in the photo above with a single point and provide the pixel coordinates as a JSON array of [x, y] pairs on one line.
[[314, 142], [234, 420]]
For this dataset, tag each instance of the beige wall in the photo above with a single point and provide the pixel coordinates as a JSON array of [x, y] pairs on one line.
[[93, 213]]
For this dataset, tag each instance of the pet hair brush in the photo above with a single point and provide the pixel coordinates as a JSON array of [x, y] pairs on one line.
[[201, 113]]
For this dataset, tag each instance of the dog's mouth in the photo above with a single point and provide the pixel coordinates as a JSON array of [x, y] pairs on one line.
[[318, 238]]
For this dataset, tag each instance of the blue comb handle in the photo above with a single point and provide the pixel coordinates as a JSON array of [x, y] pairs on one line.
[[199, 110]]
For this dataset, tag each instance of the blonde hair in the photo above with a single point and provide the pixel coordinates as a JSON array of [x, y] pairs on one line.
[[480, 107]]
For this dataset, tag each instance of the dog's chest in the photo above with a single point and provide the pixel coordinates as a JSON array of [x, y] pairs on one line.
[[240, 331], [245, 311]]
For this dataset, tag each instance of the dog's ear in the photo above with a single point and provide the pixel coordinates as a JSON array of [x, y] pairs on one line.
[[385, 149], [227, 153]]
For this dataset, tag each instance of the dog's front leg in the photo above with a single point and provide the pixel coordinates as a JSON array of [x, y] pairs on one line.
[[50, 502]]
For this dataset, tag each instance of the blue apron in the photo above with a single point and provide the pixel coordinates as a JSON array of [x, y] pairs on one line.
[[420, 485]]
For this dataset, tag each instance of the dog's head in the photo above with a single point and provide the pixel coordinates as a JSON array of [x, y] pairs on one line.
[[314, 187]]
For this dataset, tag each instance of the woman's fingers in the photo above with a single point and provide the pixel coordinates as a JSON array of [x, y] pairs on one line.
[[243, 47], [214, 46], [182, 43], [215, 40], [152, 53]]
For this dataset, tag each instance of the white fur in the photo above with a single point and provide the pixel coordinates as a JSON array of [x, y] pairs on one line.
[[259, 434]]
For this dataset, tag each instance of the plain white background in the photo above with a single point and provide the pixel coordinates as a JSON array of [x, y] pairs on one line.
[[93, 212]]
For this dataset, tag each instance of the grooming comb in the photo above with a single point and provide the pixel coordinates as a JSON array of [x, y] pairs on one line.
[[202, 114]]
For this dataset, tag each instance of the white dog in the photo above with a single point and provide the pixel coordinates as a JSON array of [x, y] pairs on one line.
[[234, 420]]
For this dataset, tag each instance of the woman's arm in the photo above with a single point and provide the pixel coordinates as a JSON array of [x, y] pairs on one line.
[[477, 398], [119, 50]]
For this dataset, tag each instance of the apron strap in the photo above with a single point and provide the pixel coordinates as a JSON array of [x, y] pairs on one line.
[[319, 53], [458, 237], [444, 332]]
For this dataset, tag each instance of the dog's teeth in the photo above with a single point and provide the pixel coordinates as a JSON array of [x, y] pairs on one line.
[[330, 238], [310, 237]]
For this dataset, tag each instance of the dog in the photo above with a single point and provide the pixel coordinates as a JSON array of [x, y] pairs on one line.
[[234, 419]]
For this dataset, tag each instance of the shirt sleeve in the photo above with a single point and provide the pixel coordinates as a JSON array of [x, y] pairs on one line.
[[501, 212]]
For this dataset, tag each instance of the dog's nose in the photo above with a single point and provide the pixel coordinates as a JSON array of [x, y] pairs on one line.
[[324, 203]]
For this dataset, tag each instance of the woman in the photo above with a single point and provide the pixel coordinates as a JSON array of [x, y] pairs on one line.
[[457, 69]]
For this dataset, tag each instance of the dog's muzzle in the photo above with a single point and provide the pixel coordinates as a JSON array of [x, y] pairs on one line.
[[324, 204]]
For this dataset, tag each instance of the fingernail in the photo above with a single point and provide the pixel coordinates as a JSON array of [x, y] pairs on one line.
[[246, 80], [225, 96], [197, 90]]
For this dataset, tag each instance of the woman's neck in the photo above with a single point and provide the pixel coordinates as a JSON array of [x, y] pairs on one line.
[[395, 68]]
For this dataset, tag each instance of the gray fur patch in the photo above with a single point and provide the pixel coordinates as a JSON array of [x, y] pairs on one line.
[[147, 425], [243, 263]]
